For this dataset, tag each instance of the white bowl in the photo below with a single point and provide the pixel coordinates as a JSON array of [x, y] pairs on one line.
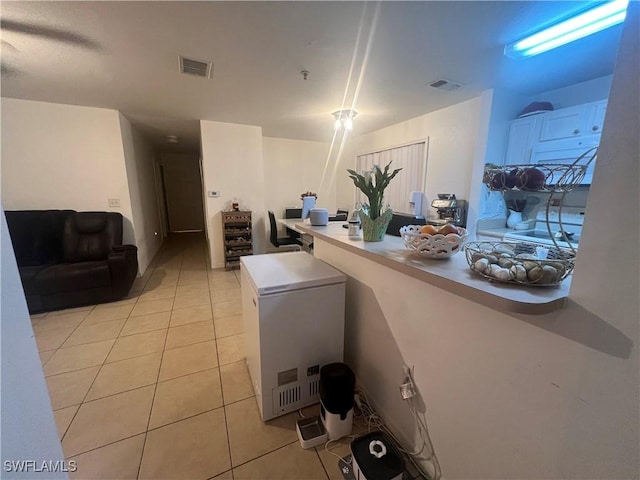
[[432, 246], [524, 226]]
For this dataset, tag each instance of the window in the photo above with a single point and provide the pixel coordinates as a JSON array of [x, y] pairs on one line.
[[413, 161]]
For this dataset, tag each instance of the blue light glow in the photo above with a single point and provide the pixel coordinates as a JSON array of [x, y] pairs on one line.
[[603, 16]]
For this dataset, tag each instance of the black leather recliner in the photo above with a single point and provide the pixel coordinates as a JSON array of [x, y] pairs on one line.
[[69, 259]]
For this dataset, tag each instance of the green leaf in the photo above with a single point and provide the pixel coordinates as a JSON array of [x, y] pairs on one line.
[[374, 188]]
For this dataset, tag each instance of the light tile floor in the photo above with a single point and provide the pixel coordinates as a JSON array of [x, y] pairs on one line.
[[156, 387]]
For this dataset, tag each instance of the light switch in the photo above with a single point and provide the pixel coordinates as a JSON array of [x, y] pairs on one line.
[[113, 202]]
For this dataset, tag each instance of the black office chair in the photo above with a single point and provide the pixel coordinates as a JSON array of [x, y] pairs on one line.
[[281, 241]]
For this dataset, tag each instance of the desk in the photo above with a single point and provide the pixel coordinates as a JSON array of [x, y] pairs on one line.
[[290, 225]]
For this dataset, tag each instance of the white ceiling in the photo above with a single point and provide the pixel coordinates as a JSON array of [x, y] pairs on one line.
[[380, 56]]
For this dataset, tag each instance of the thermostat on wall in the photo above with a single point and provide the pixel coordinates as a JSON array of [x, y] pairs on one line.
[[213, 193]]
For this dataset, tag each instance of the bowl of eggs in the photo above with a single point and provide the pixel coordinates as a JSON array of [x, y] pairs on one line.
[[520, 263], [429, 241]]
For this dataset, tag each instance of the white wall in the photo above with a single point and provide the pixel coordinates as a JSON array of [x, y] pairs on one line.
[[232, 164], [61, 156], [577, 94], [606, 280], [139, 160], [499, 107], [453, 142], [512, 395], [292, 167], [28, 427]]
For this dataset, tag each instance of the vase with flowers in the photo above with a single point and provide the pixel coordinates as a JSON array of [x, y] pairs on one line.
[[373, 183]]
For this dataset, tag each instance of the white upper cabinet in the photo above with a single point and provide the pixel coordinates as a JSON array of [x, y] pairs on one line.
[[563, 123], [597, 110], [572, 122], [549, 132], [523, 133]]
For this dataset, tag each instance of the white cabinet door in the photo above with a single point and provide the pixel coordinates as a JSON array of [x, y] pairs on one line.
[[523, 133], [558, 136], [595, 117], [566, 152], [563, 123], [573, 122]]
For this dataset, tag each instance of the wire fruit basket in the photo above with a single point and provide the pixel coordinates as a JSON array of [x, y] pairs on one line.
[[520, 263], [557, 180], [542, 177], [432, 245]]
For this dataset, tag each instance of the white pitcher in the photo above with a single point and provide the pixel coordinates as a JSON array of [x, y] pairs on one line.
[[514, 218]]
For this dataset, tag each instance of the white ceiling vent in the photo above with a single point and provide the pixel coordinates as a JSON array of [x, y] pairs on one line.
[[444, 84], [195, 67]]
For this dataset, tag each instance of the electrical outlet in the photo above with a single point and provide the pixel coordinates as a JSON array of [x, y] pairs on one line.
[[407, 390], [113, 202]]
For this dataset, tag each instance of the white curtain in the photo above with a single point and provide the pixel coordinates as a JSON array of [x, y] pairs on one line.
[[412, 160]]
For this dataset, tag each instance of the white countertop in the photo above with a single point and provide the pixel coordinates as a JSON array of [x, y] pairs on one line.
[[290, 223], [494, 232], [452, 274]]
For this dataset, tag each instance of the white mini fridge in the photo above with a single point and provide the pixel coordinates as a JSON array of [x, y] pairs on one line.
[[293, 314]]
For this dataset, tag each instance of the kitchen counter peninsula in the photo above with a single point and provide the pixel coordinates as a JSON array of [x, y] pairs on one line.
[[452, 275]]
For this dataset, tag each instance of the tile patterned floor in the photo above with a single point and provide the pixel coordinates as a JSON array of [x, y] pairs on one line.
[[155, 386]]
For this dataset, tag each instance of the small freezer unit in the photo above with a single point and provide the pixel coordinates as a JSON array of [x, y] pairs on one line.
[[293, 314]]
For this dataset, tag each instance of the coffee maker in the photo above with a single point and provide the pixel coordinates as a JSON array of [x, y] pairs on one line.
[[449, 210]]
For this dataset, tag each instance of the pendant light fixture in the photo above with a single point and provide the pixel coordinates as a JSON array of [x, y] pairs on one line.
[[344, 119]]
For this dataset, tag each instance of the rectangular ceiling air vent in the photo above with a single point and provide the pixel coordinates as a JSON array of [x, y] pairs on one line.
[[443, 84], [195, 67]]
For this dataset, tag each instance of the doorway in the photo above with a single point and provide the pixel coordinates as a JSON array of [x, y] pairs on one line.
[[182, 183]]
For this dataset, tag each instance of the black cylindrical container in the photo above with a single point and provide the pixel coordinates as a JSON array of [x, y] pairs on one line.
[[337, 388]]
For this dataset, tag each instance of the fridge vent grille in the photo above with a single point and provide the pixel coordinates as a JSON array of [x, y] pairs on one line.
[[289, 396], [314, 388]]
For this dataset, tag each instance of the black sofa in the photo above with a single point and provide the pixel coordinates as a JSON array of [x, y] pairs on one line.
[[70, 259]]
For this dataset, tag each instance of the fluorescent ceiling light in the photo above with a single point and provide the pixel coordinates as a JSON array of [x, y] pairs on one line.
[[591, 21]]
